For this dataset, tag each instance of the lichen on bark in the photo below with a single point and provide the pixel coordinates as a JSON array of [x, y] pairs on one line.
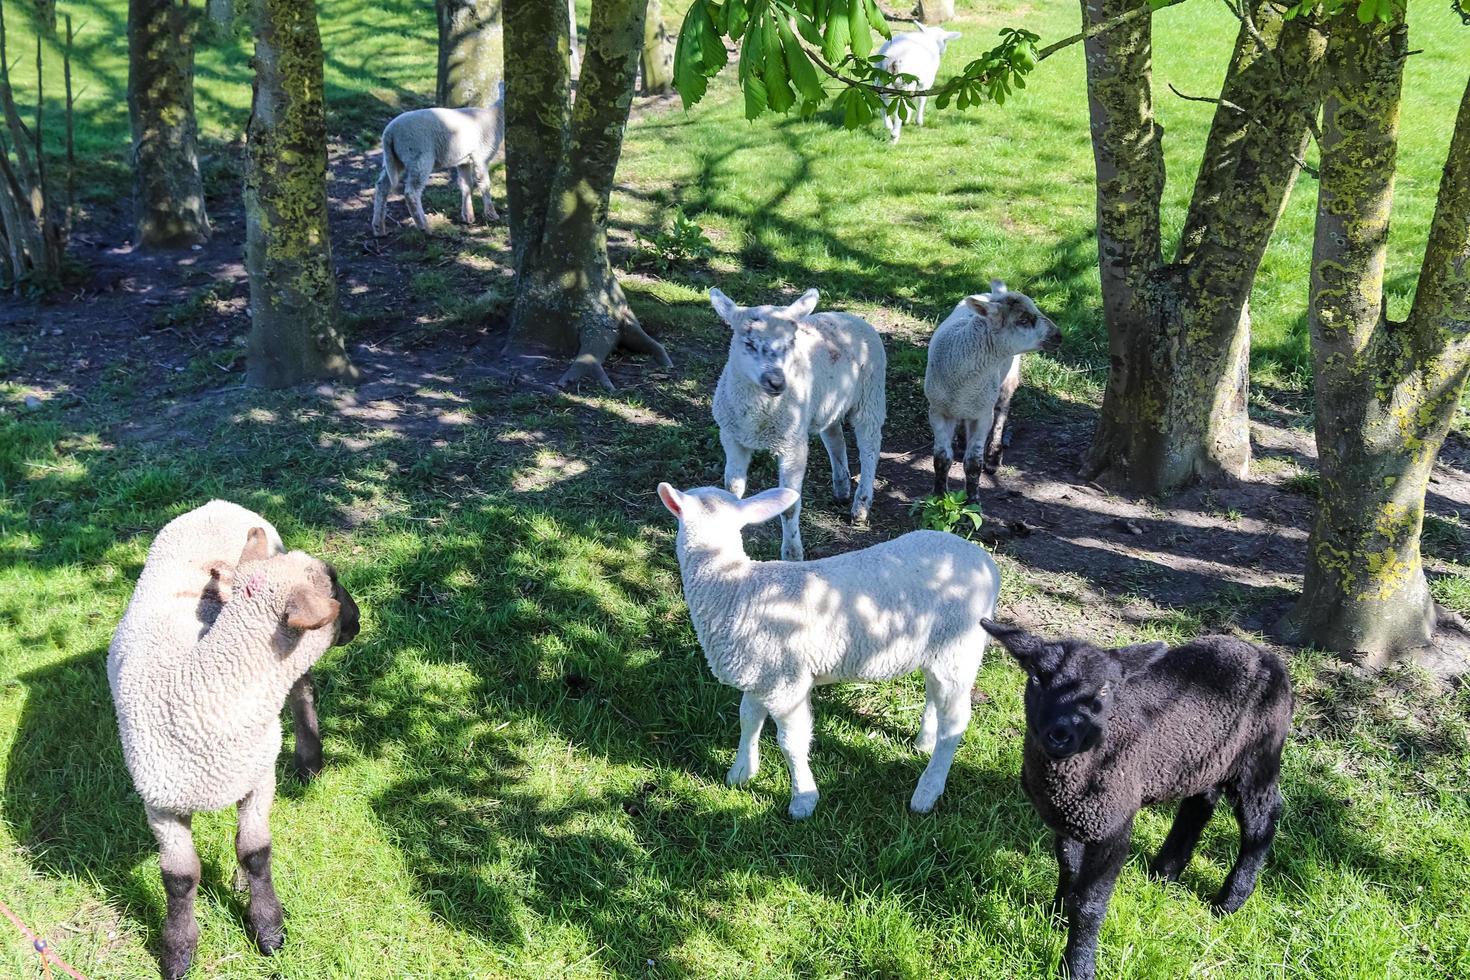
[[471, 46], [560, 163], [294, 311], [1386, 392], [168, 191], [1175, 405]]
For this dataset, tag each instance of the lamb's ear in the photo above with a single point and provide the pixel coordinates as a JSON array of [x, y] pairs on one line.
[[951, 35], [257, 546], [805, 305], [724, 306], [673, 499], [997, 286], [308, 609], [766, 505], [979, 303], [1021, 645], [1139, 656]]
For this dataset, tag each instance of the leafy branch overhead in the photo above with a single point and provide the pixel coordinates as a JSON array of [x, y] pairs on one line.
[[786, 47]]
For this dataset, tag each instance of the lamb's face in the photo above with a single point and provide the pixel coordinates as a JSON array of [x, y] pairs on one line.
[[1015, 323], [763, 338], [311, 597], [939, 37]]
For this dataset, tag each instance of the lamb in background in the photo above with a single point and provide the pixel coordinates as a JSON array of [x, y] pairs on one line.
[[790, 374], [777, 629], [915, 53], [974, 367], [222, 628], [418, 142], [1110, 731]]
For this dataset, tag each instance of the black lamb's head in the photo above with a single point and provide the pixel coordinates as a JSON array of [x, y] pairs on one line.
[[1071, 685]]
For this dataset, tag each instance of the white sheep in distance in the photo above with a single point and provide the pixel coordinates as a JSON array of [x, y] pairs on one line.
[[974, 366], [222, 628], [777, 629], [792, 374], [418, 142], [915, 53]]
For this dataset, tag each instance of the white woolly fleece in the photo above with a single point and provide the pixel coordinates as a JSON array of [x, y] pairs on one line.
[[966, 367], [199, 716]]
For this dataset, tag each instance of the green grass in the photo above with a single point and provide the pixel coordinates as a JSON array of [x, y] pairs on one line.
[[525, 751]]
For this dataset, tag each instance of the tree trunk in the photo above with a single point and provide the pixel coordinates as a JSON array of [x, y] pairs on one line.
[[168, 192], [221, 13], [558, 181], [658, 53], [30, 235], [936, 11], [470, 53], [1175, 405], [294, 314], [1386, 392], [46, 14]]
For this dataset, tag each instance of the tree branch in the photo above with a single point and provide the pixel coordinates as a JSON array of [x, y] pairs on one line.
[[1307, 168]]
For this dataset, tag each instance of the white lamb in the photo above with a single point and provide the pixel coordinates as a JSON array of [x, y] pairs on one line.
[[777, 629], [915, 53], [222, 628], [421, 141], [974, 367], [792, 374]]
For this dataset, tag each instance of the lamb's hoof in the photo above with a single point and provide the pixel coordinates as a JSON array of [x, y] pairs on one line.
[[803, 805], [792, 553], [741, 772], [924, 799], [1165, 871], [176, 963], [860, 512], [306, 768], [269, 939], [1225, 904]]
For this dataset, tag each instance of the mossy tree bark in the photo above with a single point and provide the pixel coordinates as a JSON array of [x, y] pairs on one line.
[[1175, 405], [936, 11], [1386, 391], [168, 192], [470, 52], [294, 313], [560, 163], [658, 52]]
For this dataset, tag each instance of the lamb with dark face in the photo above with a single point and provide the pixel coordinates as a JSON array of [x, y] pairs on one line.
[[1111, 731]]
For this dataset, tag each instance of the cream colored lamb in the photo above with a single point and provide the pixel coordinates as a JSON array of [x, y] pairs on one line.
[[915, 53], [222, 627], [792, 374], [777, 629], [973, 369], [421, 141]]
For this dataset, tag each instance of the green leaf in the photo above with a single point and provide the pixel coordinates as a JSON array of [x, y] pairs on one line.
[[778, 88], [834, 41], [860, 34], [799, 66], [752, 68], [876, 18], [698, 55]]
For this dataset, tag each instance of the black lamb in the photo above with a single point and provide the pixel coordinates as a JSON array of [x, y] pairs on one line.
[[1110, 731]]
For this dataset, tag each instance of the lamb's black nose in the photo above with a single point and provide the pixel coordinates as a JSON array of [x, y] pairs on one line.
[[1058, 739], [773, 381]]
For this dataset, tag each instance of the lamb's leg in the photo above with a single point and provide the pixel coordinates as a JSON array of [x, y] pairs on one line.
[[929, 723], [482, 184], [180, 865], [793, 474], [381, 191], [737, 464], [953, 717], [867, 431], [1069, 864], [308, 754], [922, 100], [464, 179], [1087, 900], [1189, 823], [748, 754], [1257, 814], [944, 430], [263, 919], [836, 442], [975, 431], [995, 442], [413, 193], [794, 735]]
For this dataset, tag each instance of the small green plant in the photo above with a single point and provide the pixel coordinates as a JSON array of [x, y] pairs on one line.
[[1305, 484], [682, 242], [949, 512]]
